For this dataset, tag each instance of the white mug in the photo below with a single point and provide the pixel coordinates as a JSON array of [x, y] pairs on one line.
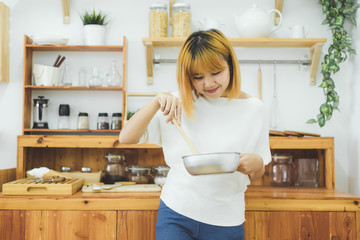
[[209, 23], [298, 31]]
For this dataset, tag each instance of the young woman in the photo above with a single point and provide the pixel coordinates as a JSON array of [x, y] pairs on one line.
[[218, 117]]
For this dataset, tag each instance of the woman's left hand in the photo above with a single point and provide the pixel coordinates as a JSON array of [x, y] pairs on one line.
[[250, 163]]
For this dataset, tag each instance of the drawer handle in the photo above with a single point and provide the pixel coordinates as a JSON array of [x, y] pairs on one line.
[[37, 189]]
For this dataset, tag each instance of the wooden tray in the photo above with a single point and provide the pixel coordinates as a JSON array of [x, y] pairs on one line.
[[127, 188], [27, 186]]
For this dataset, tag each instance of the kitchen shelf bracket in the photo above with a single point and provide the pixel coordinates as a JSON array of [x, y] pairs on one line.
[[4, 42], [278, 6], [315, 53], [149, 62], [66, 11]]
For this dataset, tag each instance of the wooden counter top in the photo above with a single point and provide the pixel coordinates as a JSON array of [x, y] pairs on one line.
[[256, 198]]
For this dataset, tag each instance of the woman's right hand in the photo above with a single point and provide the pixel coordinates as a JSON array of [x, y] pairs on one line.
[[170, 106]]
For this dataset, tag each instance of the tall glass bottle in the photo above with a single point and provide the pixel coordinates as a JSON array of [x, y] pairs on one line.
[[66, 81], [113, 78]]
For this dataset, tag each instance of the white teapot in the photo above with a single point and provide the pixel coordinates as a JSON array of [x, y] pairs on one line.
[[256, 22]]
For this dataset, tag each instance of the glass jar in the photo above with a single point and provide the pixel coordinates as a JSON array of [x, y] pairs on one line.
[[307, 170], [281, 171], [160, 174], [139, 174], [64, 116], [103, 121], [95, 80], [83, 121], [113, 78], [115, 169], [116, 121], [181, 20], [158, 22]]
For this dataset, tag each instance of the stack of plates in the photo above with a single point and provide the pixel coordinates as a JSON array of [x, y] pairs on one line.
[[49, 40]]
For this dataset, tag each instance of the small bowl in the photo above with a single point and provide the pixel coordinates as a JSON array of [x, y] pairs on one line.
[[212, 163]]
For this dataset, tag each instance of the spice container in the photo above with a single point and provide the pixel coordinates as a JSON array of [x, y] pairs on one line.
[[64, 116], [86, 169], [66, 169], [160, 174], [158, 22], [281, 171], [103, 121], [181, 20], [116, 121], [139, 174], [83, 121], [115, 169]]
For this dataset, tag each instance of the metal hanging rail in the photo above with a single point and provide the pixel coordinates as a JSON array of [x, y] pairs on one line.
[[302, 62]]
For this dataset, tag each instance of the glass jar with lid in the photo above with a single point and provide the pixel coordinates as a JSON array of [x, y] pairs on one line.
[[103, 121], [160, 174], [115, 169], [181, 20], [116, 121], [281, 170], [139, 174], [158, 22]]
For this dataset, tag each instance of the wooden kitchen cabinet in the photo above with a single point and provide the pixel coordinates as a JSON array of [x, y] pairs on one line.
[[30, 48], [74, 225], [300, 225]]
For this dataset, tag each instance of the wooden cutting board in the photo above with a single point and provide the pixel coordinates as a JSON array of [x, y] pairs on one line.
[[126, 188], [27, 186]]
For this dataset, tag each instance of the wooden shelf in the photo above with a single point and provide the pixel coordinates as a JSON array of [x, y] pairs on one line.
[[74, 48], [72, 88], [71, 130], [314, 45], [30, 48]]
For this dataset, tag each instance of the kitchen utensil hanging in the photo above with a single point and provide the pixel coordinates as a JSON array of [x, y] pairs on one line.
[[259, 81], [274, 104]]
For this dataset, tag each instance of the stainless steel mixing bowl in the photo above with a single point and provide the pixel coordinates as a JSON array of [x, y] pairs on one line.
[[212, 163]]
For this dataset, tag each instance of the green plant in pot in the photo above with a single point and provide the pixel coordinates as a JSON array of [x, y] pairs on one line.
[[336, 12], [94, 27]]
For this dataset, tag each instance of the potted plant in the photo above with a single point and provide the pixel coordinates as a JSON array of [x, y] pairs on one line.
[[94, 27]]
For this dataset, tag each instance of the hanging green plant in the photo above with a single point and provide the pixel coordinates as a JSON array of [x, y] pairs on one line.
[[337, 12]]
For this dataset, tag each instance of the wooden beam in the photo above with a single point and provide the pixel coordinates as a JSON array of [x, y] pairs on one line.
[[66, 11], [4, 42]]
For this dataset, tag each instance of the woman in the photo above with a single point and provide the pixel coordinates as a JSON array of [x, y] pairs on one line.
[[218, 117]]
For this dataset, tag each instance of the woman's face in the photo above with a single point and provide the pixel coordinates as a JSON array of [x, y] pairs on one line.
[[212, 84]]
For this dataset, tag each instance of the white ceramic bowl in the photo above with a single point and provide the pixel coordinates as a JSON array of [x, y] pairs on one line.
[[212, 163]]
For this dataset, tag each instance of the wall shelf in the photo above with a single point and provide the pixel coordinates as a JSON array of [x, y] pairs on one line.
[[314, 45], [72, 88]]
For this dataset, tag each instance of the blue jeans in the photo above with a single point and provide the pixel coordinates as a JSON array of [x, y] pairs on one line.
[[171, 225]]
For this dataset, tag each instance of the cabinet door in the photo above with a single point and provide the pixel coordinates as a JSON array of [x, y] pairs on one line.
[[12, 225], [70, 225], [300, 225], [136, 225]]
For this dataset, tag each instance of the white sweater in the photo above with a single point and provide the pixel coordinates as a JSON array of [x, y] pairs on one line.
[[219, 126]]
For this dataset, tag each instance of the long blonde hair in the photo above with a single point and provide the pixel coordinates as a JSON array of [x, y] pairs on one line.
[[205, 48]]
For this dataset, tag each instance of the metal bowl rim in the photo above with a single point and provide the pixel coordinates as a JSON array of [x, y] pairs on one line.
[[214, 153]]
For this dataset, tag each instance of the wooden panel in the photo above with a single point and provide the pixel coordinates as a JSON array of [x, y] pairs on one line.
[[7, 175], [69, 225], [34, 225], [136, 225], [300, 225], [4, 42], [12, 225]]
